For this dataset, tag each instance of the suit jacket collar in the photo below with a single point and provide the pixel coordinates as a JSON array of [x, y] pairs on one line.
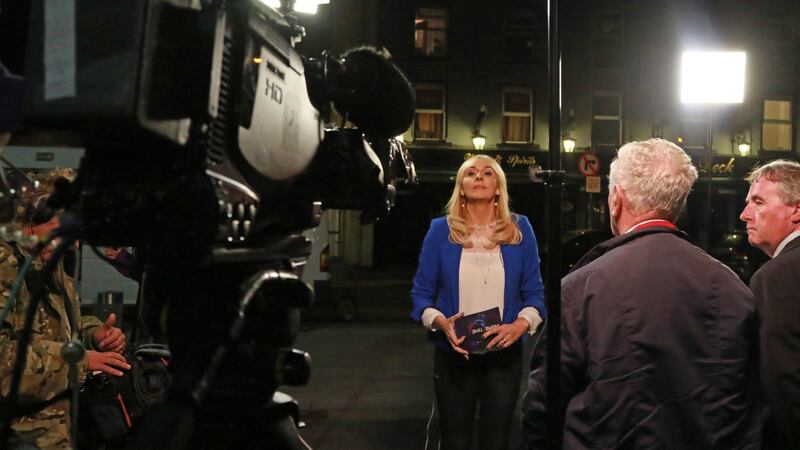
[[791, 245]]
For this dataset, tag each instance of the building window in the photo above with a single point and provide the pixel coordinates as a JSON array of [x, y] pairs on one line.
[[517, 116], [606, 120], [430, 32], [607, 39], [519, 32], [778, 44], [429, 120], [694, 133], [776, 130]]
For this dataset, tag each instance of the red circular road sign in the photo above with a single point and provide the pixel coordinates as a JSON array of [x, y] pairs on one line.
[[589, 164]]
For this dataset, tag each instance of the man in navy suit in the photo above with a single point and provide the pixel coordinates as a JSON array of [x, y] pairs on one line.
[[772, 214]]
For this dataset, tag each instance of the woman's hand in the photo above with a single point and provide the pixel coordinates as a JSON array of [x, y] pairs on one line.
[[448, 327], [507, 333], [107, 362]]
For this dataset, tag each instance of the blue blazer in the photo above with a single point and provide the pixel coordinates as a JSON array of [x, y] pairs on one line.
[[436, 281]]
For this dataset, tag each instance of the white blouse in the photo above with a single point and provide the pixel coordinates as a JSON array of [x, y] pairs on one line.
[[481, 282]]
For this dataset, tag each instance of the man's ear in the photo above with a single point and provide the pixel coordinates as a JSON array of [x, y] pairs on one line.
[[616, 201], [795, 215]]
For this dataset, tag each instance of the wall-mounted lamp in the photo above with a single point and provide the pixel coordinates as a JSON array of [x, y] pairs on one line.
[[744, 149], [478, 141], [742, 144], [569, 144]]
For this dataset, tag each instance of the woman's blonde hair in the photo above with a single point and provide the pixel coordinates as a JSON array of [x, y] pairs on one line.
[[505, 230]]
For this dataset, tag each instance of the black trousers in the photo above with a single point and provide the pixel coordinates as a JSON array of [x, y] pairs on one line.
[[490, 382]]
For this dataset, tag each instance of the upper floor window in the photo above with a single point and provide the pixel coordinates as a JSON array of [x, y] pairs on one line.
[[429, 120], [519, 34], [776, 129], [517, 115], [607, 39], [778, 43], [430, 32], [606, 119]]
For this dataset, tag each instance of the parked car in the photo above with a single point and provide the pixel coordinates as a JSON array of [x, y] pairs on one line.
[[735, 252], [575, 244]]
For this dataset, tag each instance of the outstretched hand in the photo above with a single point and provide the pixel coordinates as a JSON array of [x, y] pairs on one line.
[[109, 338], [449, 328], [107, 362]]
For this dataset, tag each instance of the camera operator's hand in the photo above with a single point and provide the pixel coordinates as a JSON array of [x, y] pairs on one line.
[[449, 328], [107, 362], [109, 338]]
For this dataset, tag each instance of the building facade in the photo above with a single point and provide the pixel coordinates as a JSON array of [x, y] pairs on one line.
[[480, 71]]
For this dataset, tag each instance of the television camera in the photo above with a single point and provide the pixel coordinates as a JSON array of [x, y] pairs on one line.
[[206, 150]]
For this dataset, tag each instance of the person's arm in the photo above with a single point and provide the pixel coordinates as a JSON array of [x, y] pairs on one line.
[[776, 297], [532, 285], [535, 410], [45, 373], [531, 317], [429, 316], [124, 262], [88, 326], [425, 285]]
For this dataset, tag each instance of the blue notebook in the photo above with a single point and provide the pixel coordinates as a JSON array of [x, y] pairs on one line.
[[473, 326]]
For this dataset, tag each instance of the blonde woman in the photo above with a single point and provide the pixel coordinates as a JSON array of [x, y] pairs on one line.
[[479, 256]]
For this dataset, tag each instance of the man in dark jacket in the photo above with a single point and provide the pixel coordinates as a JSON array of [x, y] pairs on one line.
[[772, 214], [659, 340]]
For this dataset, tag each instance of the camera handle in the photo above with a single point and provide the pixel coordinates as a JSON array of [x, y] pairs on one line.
[[73, 352]]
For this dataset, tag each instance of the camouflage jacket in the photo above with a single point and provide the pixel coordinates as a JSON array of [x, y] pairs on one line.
[[45, 372]]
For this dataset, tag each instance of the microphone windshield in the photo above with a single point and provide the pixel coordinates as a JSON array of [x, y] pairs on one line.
[[374, 93]]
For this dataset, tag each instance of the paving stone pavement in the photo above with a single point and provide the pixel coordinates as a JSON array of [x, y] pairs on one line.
[[371, 386]]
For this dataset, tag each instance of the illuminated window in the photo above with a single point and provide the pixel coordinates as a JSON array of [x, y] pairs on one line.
[[519, 33], [776, 129], [430, 32], [429, 120], [517, 116], [606, 119]]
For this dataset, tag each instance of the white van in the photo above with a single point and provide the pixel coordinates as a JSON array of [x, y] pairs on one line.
[[316, 271]]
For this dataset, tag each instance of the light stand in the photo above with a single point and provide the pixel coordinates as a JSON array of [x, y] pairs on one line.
[[554, 185], [710, 78]]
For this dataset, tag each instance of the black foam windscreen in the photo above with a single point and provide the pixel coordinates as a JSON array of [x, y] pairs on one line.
[[374, 93]]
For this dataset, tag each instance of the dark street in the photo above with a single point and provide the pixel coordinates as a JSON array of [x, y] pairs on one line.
[[371, 386]]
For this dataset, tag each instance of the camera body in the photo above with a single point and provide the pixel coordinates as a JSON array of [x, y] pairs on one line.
[[205, 150], [197, 117]]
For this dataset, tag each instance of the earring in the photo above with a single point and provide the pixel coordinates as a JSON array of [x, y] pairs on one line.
[[496, 197], [462, 201]]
